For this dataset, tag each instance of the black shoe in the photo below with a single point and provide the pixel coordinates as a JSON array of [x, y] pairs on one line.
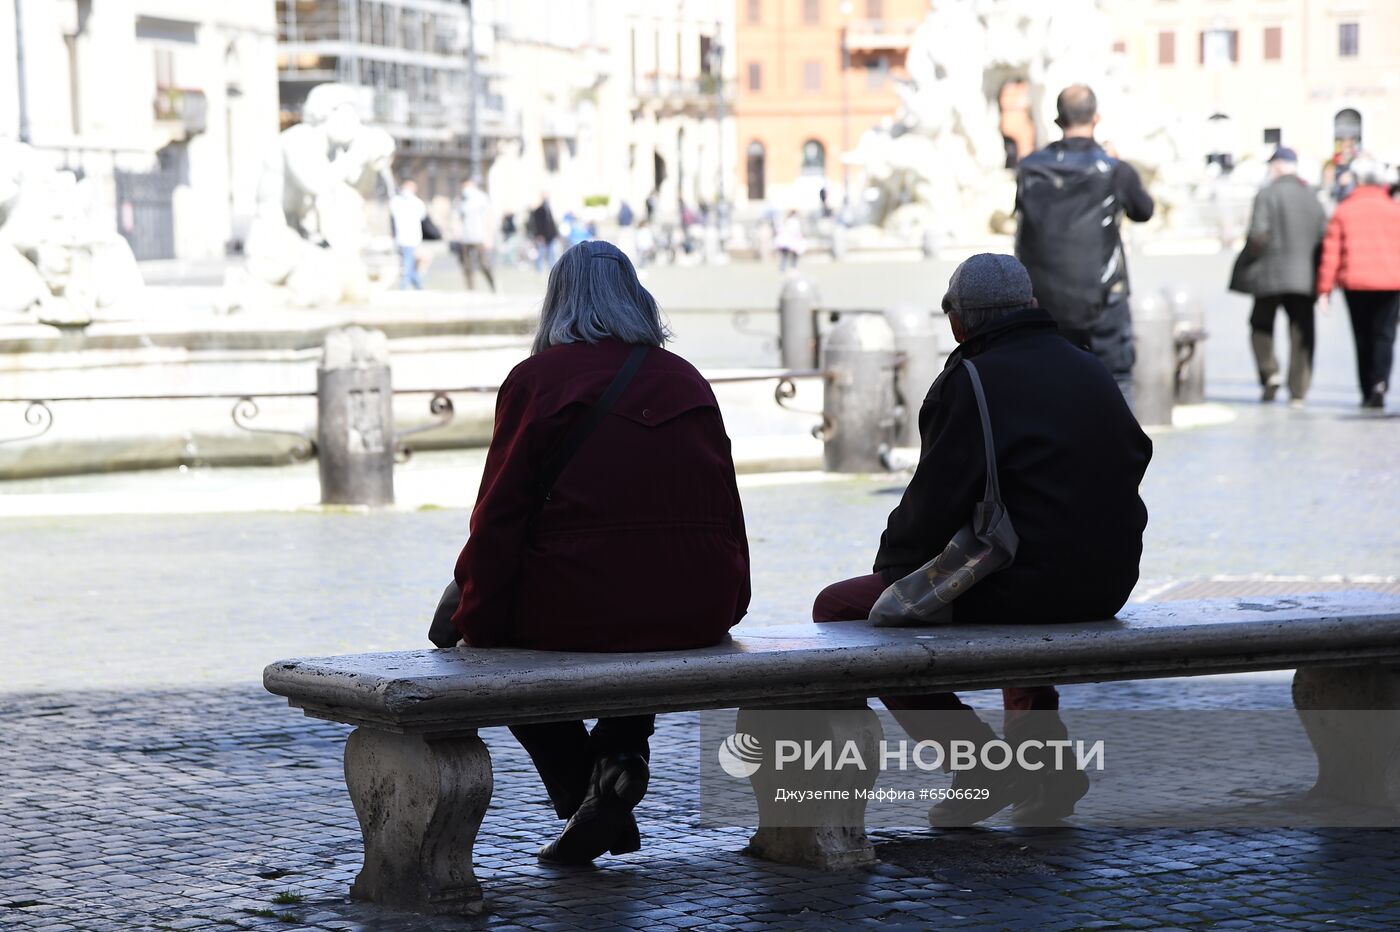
[[1052, 797], [1271, 387], [604, 820], [1374, 400], [982, 794]]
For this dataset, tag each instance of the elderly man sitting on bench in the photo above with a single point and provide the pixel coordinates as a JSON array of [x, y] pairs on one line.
[[1070, 457]]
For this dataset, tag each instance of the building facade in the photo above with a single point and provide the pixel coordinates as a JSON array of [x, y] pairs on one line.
[[813, 75], [676, 71], [410, 61], [1319, 76], [164, 108]]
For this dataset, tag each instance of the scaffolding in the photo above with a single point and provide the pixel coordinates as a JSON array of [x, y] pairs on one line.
[[409, 59]]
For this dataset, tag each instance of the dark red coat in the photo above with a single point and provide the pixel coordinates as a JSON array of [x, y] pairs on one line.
[[641, 545]]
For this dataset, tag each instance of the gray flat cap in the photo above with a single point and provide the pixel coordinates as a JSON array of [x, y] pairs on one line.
[[988, 280]]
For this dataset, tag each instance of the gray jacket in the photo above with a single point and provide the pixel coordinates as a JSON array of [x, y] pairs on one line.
[[1284, 234]]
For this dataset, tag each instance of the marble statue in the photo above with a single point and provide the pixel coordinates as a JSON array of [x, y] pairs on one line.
[[306, 245], [938, 166], [59, 264]]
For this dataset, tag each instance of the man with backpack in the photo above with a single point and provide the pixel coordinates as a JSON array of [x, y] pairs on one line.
[[1070, 199]]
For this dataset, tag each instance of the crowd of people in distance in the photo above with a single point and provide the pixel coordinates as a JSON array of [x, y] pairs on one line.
[[1302, 245]]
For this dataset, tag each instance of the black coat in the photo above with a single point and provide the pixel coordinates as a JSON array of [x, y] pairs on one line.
[[1070, 456]]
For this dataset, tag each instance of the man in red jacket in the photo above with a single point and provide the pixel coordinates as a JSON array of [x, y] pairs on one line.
[[1361, 253]]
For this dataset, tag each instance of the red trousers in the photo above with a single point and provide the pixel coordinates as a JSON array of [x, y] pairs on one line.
[[852, 599]]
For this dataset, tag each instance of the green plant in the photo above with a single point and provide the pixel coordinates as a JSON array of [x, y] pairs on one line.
[[596, 200], [288, 898]]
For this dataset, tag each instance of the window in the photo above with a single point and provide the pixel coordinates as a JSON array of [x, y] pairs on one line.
[[877, 72], [1220, 47], [1273, 137], [755, 11], [1349, 40], [1166, 48], [1273, 43], [551, 155], [811, 12], [874, 9], [812, 76], [755, 76], [813, 157]]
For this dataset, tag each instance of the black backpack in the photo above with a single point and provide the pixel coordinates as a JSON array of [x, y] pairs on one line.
[[1067, 232]]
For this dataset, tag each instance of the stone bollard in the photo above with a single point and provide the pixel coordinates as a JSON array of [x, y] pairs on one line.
[[1154, 373], [797, 325], [1189, 329], [858, 401], [355, 430], [916, 339]]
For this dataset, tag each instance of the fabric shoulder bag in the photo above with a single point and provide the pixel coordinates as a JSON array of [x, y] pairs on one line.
[[442, 631], [983, 546]]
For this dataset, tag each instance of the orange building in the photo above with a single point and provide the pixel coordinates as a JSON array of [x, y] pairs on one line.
[[813, 75]]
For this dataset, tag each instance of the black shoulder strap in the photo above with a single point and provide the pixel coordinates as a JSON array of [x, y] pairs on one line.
[[588, 422], [993, 490]]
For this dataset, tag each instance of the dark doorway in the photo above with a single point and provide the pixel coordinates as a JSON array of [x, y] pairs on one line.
[[1346, 132], [658, 170], [756, 171]]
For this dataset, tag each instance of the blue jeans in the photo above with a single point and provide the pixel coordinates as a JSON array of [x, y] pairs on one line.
[[409, 276], [546, 254]]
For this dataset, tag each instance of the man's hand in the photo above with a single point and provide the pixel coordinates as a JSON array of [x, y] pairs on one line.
[[1324, 304]]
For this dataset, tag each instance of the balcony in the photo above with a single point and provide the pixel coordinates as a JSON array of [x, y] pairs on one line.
[[184, 108], [879, 35], [677, 92]]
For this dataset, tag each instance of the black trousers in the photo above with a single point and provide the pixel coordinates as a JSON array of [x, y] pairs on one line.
[[1302, 337], [563, 752], [1373, 316], [1110, 337]]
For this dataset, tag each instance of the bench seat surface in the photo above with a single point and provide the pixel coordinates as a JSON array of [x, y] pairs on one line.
[[458, 689]]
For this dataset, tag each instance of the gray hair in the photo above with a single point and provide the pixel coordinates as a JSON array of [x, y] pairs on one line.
[[1369, 170], [594, 294]]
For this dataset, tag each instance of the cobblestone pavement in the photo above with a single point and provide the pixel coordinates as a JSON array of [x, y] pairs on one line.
[[220, 808]]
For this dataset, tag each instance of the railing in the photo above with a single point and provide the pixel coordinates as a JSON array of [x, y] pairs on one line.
[[39, 415]]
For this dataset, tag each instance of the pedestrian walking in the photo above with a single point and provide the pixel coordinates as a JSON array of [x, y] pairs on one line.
[[406, 214], [577, 538], [1279, 267], [1071, 197], [1361, 254], [1070, 458], [544, 233], [474, 222], [790, 242]]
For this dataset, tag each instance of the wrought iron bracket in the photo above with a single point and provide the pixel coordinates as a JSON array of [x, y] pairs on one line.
[[245, 409], [36, 414], [441, 407]]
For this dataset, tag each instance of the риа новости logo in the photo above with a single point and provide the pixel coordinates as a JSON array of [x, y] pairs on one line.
[[740, 755]]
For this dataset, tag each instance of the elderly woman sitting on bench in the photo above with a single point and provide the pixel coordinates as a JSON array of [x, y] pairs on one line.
[[608, 520]]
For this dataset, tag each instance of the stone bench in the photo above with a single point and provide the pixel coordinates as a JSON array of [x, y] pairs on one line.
[[420, 778]]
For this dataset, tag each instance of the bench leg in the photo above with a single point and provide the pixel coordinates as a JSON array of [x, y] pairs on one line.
[[420, 801], [840, 842], [1352, 717]]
